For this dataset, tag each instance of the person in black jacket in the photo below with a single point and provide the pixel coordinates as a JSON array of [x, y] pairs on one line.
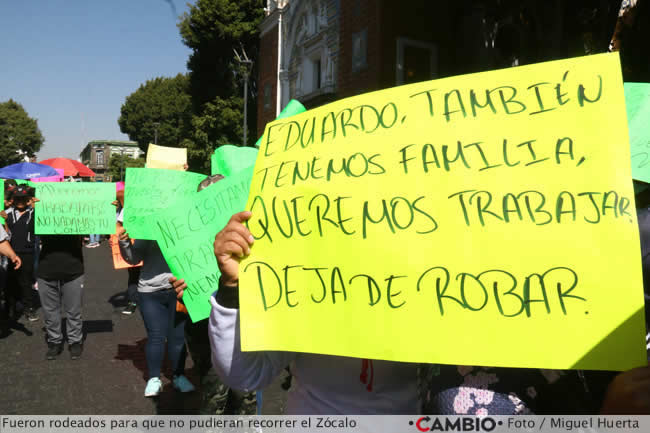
[[20, 221]]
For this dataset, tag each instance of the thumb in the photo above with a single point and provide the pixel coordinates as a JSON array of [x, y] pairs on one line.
[[240, 217]]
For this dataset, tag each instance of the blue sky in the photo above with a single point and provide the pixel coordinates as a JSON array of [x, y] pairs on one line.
[[71, 63]]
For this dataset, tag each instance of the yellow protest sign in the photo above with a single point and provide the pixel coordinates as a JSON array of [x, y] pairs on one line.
[[485, 219], [172, 158]]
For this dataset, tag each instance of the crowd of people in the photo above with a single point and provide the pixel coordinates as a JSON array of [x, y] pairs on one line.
[[52, 267]]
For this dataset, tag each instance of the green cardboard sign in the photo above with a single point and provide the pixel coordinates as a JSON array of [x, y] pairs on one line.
[[74, 208], [293, 107], [228, 159], [637, 104], [25, 182], [185, 235], [150, 192]]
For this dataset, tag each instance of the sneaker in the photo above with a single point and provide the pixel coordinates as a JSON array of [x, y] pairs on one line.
[[130, 308], [75, 350], [31, 315], [53, 350], [182, 384], [153, 388]]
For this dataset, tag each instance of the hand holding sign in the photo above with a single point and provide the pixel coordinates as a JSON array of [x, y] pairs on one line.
[[231, 245]]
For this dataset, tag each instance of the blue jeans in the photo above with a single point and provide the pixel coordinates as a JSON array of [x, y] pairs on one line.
[[94, 239], [158, 311]]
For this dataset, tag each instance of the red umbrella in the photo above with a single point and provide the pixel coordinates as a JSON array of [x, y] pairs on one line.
[[70, 167]]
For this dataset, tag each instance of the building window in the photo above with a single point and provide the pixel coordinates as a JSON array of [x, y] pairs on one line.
[[267, 96], [317, 73], [99, 157], [356, 8], [416, 61], [359, 50]]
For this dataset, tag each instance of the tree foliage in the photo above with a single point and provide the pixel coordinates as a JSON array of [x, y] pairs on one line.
[[119, 163], [19, 133], [212, 29], [165, 101]]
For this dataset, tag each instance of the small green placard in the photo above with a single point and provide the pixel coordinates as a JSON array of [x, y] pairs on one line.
[[75, 208], [150, 192]]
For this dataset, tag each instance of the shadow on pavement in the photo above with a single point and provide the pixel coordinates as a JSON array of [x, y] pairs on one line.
[[135, 354], [118, 300], [95, 326]]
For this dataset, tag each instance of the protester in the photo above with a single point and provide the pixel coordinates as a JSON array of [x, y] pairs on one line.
[[6, 252], [133, 272], [322, 384], [216, 397], [157, 301], [60, 286], [20, 221]]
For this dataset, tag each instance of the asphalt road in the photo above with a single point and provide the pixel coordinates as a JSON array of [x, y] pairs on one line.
[[110, 376]]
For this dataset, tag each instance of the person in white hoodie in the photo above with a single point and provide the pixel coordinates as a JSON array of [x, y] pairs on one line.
[[322, 384]]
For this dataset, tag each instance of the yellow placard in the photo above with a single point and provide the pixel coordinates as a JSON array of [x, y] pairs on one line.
[[485, 219], [172, 158]]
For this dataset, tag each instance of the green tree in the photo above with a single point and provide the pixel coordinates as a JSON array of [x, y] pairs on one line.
[[212, 29], [19, 134], [164, 101], [119, 163]]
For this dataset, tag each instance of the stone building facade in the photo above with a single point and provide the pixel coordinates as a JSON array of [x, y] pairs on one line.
[[317, 51]]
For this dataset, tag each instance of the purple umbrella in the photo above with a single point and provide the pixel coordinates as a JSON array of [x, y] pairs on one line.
[[26, 170]]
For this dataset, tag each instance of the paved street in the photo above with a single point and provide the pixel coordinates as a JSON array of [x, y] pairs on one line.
[[111, 375]]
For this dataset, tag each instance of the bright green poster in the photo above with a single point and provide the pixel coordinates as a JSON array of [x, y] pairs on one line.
[[25, 182], [75, 208], [228, 159], [637, 104], [150, 192], [185, 235]]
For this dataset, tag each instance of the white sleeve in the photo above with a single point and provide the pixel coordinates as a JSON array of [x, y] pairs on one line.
[[246, 371], [4, 236]]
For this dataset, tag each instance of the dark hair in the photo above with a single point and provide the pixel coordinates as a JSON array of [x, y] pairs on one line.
[[209, 181], [22, 191]]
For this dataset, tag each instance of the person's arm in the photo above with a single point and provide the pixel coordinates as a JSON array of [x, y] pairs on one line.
[[239, 370], [132, 253], [6, 250]]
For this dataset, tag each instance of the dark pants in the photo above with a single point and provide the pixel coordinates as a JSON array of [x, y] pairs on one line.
[[216, 397], [158, 311], [20, 286], [132, 288]]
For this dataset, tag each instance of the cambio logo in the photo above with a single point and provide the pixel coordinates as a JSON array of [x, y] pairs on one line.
[[464, 424]]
